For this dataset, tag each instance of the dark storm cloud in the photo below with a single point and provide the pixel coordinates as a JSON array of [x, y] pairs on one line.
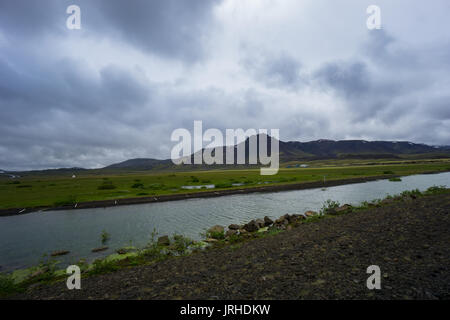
[[137, 70], [170, 28]]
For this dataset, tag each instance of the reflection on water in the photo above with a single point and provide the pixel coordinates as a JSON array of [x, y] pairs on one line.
[[25, 238]]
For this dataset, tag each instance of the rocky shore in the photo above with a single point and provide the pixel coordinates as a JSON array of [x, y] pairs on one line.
[[327, 259]]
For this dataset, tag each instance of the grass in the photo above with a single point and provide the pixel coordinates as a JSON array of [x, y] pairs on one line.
[[91, 186]]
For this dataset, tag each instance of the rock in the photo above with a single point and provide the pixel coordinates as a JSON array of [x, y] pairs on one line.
[[343, 208], [267, 221], [252, 226], [387, 201], [282, 220], [59, 253], [233, 227], [126, 250], [211, 240], [289, 227], [230, 233], [163, 241], [310, 213], [260, 223], [216, 229], [296, 217], [99, 249]]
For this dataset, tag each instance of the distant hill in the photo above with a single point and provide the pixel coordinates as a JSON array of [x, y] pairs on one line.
[[141, 164], [316, 150]]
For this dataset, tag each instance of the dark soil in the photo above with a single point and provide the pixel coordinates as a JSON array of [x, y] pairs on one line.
[[326, 259]]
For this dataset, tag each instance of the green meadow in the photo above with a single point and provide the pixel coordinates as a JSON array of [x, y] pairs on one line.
[[35, 190]]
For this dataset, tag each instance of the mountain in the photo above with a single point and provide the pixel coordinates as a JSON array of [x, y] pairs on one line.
[[316, 150]]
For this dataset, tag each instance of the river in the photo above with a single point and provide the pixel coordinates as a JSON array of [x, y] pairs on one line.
[[26, 238]]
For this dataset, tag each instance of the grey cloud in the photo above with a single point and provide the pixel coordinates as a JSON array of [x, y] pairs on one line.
[[170, 28], [274, 70], [60, 111]]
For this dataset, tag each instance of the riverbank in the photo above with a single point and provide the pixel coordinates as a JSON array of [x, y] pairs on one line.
[[202, 194], [406, 237]]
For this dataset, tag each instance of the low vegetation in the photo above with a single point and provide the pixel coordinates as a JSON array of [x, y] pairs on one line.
[[59, 190]]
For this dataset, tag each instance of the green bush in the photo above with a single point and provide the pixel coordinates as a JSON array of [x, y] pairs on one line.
[[107, 185], [7, 285], [103, 266], [137, 185], [105, 237], [329, 206]]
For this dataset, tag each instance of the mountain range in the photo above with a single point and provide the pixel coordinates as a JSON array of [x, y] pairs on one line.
[[291, 151], [318, 150]]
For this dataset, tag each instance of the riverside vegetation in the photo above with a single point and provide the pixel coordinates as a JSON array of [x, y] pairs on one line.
[[176, 246], [47, 191]]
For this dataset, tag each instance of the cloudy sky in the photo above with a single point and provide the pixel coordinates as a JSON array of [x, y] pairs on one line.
[[137, 70]]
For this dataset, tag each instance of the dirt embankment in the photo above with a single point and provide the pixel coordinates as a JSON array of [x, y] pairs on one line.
[[326, 259]]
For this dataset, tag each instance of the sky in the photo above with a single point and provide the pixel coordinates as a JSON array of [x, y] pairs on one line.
[[137, 70]]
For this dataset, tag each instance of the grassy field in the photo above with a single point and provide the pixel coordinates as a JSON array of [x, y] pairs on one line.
[[39, 190]]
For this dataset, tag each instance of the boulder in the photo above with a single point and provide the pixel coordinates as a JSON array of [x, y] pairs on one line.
[[267, 221], [260, 223], [310, 213], [343, 208], [252, 226], [233, 227], [231, 232], [296, 217], [163, 241]]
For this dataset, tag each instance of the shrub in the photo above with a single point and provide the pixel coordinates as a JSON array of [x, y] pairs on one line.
[[70, 200], [107, 185], [7, 285], [105, 237], [180, 243], [329, 206], [103, 266], [388, 172], [216, 235], [435, 190], [137, 185], [395, 179]]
